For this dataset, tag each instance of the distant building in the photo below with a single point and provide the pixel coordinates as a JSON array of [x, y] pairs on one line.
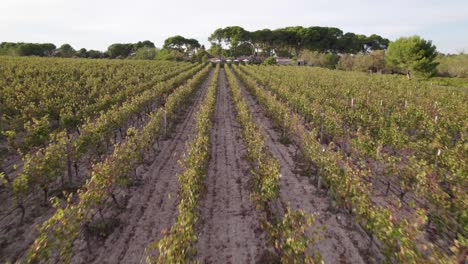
[[284, 61], [288, 61], [251, 59], [217, 60]]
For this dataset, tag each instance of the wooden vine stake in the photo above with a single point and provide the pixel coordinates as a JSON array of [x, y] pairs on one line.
[[165, 123], [318, 176], [322, 117]]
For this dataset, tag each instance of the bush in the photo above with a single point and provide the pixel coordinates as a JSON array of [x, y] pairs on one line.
[[453, 65], [270, 61], [145, 53], [412, 54], [315, 58], [374, 62], [170, 54]]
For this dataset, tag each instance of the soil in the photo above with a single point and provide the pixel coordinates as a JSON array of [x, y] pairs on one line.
[[152, 207], [16, 237], [341, 241], [229, 230]]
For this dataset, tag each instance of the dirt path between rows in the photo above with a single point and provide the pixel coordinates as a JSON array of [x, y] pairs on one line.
[[16, 237], [152, 207], [229, 230], [341, 241]]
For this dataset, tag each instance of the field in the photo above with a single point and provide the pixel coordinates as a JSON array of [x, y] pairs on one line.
[[121, 161]]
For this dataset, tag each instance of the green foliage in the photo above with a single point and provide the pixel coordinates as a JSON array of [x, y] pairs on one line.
[[287, 234], [292, 40], [37, 131], [453, 65], [95, 54], [448, 81], [145, 53], [215, 50], [58, 233], [270, 61], [10, 136], [178, 245], [374, 61], [405, 137], [119, 50], [201, 56], [315, 58], [170, 55], [289, 237], [412, 54], [82, 53], [65, 51], [181, 44], [27, 49]]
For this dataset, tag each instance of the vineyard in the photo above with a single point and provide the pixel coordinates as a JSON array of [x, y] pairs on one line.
[[121, 161]]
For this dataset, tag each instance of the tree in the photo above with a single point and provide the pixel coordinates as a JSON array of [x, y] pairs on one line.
[[145, 53], [82, 53], [146, 43], [181, 44], [293, 40], [120, 50], [455, 65], [169, 54], [413, 54], [94, 54], [244, 49], [201, 55], [315, 58], [30, 49], [270, 61], [215, 50], [65, 51]]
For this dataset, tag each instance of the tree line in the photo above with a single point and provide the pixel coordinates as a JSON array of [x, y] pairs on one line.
[[317, 46], [116, 50], [290, 41]]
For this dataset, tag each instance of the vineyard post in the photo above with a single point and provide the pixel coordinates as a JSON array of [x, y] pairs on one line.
[[69, 161], [318, 173], [437, 158], [165, 123], [322, 117]]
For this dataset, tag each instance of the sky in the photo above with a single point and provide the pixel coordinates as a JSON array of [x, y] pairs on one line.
[[95, 24]]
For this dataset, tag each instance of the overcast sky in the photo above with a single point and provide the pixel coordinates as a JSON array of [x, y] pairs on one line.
[[95, 24]]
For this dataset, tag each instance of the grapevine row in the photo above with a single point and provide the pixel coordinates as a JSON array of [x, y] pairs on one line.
[[346, 183], [287, 234], [35, 104], [42, 168], [421, 141], [437, 180], [58, 233], [177, 246]]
